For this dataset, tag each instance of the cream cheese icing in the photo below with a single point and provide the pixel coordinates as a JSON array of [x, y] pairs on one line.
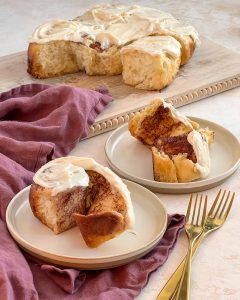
[[63, 173], [64, 30], [60, 175], [156, 45], [176, 114], [113, 25], [201, 150]]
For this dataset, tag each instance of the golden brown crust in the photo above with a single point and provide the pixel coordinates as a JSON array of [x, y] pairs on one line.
[[174, 159], [164, 169], [156, 121], [107, 216], [185, 169], [173, 169], [58, 58], [146, 71], [51, 59], [36, 192], [56, 211], [32, 52], [187, 50], [99, 228]]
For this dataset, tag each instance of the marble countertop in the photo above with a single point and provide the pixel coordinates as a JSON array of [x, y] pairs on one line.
[[216, 267]]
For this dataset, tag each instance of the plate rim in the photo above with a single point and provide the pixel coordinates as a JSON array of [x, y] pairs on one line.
[[77, 261], [162, 186]]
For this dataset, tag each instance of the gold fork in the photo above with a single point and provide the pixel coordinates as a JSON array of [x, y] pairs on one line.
[[193, 228], [214, 221]]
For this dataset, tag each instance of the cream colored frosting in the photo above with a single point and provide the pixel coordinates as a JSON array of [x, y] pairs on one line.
[[64, 30], [63, 173], [113, 25], [176, 114], [156, 45], [60, 175], [201, 150]]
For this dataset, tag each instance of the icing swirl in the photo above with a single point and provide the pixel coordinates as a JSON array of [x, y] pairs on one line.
[[60, 176], [113, 25]]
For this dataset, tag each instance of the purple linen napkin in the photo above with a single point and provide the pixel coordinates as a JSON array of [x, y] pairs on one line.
[[39, 123], [125, 282]]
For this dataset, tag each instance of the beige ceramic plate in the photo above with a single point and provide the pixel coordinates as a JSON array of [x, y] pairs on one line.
[[69, 249], [132, 160]]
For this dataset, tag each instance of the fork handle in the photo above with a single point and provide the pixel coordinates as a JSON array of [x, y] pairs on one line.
[[184, 286], [170, 289]]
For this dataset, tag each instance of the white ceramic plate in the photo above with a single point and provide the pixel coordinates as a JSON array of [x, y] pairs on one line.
[[132, 160], [69, 249]]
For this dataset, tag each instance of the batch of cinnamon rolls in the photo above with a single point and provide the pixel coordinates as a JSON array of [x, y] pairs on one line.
[[147, 46]]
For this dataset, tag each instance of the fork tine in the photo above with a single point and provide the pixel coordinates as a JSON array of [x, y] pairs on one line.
[[194, 210], [225, 203], [189, 208], [229, 207], [214, 203], [204, 211], [219, 205], [199, 209]]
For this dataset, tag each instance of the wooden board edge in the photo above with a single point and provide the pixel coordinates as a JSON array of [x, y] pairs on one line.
[[205, 91]]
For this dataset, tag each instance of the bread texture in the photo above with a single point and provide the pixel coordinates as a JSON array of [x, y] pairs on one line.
[[101, 208], [92, 43], [156, 120], [149, 63], [107, 215], [164, 168], [58, 58], [179, 146], [174, 160], [51, 59], [56, 211], [97, 61]]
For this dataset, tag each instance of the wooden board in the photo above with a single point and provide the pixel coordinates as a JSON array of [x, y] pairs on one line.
[[212, 70]]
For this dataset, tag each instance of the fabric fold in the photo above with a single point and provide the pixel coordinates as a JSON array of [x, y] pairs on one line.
[[39, 123], [124, 282], [70, 280]]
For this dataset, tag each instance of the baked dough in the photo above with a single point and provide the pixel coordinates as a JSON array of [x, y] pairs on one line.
[[151, 63], [107, 215], [179, 146], [55, 211], [158, 119], [58, 58], [96, 61], [92, 42], [181, 158], [74, 191], [51, 59]]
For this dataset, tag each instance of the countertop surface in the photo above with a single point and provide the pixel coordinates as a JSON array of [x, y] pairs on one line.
[[216, 267]]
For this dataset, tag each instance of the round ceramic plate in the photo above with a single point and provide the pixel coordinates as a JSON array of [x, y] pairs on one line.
[[132, 160], [69, 249]]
